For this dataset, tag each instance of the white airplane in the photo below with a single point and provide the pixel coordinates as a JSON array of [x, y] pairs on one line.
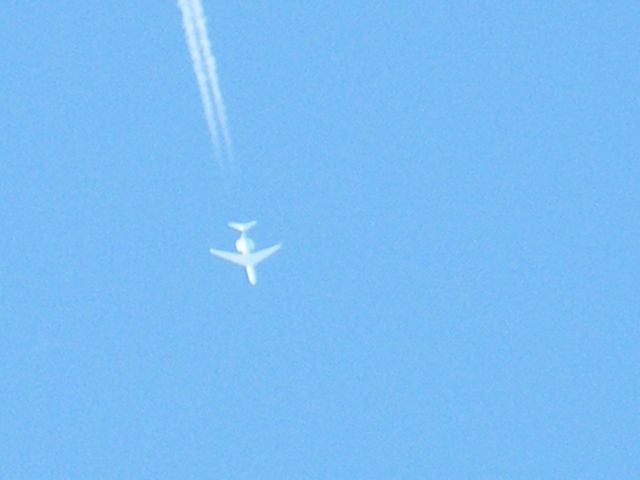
[[246, 257]]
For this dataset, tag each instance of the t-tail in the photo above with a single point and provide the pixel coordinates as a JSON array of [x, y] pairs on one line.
[[242, 227]]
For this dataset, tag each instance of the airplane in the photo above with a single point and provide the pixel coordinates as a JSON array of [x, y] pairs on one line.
[[246, 257]]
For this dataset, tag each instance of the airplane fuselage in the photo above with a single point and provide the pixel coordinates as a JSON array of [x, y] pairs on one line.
[[245, 256], [244, 246]]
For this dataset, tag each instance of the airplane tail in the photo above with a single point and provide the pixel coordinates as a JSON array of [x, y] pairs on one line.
[[242, 227]]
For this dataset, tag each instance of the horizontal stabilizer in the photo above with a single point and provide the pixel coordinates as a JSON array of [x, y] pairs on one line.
[[242, 227]]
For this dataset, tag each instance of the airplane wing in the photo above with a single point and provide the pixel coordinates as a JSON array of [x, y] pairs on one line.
[[231, 257], [252, 258], [246, 260], [256, 257]]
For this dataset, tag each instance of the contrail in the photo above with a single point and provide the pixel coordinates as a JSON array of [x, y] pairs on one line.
[[204, 67], [212, 72]]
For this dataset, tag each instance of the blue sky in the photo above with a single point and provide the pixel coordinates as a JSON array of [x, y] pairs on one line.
[[456, 188]]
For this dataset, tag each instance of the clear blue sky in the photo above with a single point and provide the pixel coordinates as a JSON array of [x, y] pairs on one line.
[[456, 188]]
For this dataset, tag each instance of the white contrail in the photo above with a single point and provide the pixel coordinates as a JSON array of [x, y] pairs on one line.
[[204, 68], [212, 73]]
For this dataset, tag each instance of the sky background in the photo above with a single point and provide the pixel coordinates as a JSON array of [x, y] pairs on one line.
[[456, 188]]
